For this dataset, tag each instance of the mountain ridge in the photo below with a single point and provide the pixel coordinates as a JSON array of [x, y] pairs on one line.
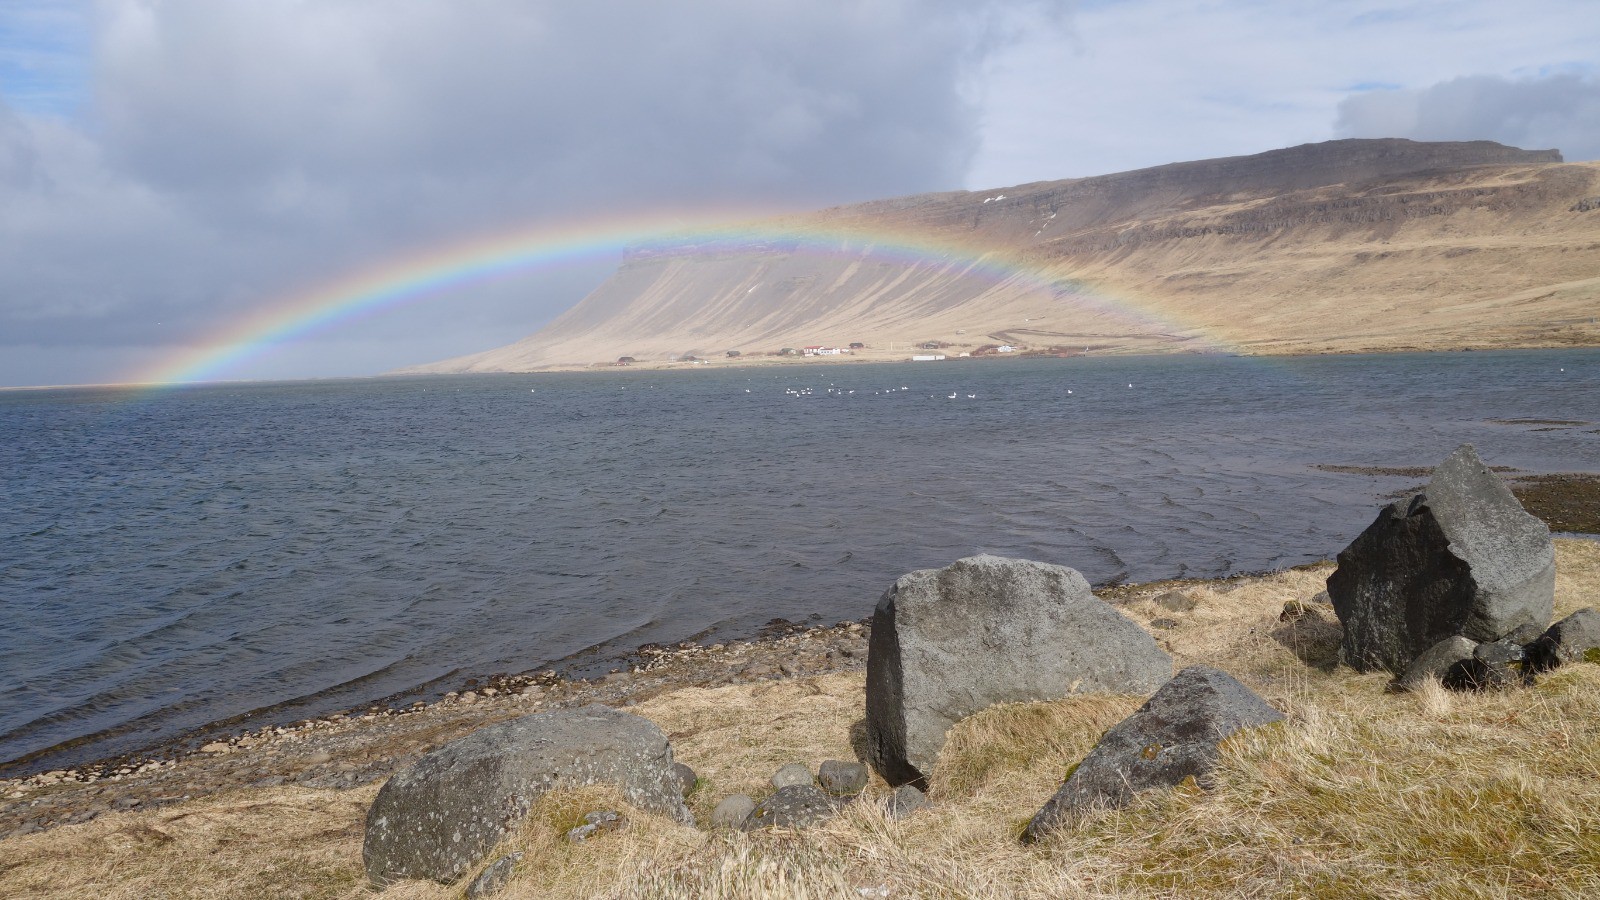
[[1362, 244]]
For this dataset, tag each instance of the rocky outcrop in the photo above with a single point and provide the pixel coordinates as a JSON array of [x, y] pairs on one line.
[[444, 814], [947, 643], [1460, 558], [1173, 737]]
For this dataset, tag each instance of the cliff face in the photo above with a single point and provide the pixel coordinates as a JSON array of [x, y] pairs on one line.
[[1345, 245]]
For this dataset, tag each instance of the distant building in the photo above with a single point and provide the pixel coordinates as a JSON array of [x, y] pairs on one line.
[[819, 350], [1005, 348], [927, 357], [626, 360]]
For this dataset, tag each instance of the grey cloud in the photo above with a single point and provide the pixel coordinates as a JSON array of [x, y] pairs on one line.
[[1559, 111], [231, 153]]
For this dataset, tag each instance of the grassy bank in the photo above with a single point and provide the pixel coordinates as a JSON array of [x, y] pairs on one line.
[[1364, 794]]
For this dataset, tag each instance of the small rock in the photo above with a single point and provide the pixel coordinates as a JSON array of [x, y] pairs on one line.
[[1494, 665], [1177, 601], [494, 877], [791, 775], [318, 758], [788, 668], [854, 649], [1294, 611], [1566, 641], [216, 747], [796, 806], [842, 778], [1435, 662], [1164, 623], [1526, 633], [732, 812], [906, 800], [756, 670], [686, 778], [469, 697], [532, 690], [598, 822]]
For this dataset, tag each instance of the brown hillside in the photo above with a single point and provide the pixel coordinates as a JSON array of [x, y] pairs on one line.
[[1355, 245]]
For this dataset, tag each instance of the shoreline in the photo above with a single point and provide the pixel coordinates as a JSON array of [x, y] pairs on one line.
[[752, 362], [361, 746]]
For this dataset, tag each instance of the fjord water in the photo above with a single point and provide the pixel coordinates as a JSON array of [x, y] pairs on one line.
[[179, 558]]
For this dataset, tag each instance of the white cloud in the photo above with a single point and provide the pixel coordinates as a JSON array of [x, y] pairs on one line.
[[232, 153]]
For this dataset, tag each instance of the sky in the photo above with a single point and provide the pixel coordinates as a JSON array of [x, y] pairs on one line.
[[169, 168]]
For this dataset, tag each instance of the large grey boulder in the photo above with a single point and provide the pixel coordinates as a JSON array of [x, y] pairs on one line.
[[1172, 737], [947, 643], [444, 814], [1460, 558]]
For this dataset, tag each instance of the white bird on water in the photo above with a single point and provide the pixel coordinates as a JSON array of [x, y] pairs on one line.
[[952, 396]]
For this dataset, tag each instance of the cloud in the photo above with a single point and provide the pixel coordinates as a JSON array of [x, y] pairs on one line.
[[231, 153], [1556, 111]]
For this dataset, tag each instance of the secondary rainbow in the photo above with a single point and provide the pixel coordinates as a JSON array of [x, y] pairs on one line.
[[433, 272]]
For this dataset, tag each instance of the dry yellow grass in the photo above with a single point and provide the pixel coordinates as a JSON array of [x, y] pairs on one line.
[[1363, 794]]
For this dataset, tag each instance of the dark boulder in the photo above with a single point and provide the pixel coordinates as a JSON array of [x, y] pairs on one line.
[[1460, 558], [947, 643], [1568, 640], [1174, 736], [444, 814]]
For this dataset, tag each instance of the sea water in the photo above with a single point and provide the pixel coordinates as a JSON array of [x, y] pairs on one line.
[[178, 558]]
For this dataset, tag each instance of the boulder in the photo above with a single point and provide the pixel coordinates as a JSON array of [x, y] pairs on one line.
[[840, 778], [796, 806], [947, 643], [1174, 736], [732, 812], [1460, 558], [445, 813], [1567, 641], [1435, 662]]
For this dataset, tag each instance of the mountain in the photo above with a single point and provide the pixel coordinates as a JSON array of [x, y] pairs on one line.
[[1350, 245]]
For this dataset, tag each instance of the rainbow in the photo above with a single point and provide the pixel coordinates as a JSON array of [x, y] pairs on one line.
[[433, 272]]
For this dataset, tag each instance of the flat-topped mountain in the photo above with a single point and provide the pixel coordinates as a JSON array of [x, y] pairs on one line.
[[1346, 245]]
